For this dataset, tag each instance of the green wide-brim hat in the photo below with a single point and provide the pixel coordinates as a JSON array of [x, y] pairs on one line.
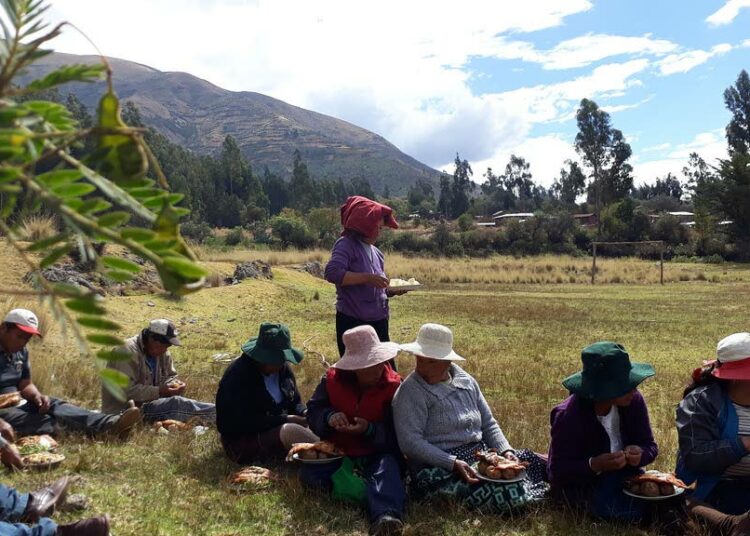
[[607, 373], [272, 346]]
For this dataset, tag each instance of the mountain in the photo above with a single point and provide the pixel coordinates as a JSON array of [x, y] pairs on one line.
[[199, 115]]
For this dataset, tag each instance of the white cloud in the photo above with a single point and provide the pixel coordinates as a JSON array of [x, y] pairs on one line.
[[656, 148], [727, 13], [686, 61], [709, 145], [584, 50]]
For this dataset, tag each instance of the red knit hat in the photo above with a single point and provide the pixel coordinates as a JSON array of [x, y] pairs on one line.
[[363, 215]]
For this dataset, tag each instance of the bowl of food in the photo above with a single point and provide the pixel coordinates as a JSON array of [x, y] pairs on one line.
[[320, 452], [654, 486], [493, 467], [39, 452], [397, 284]]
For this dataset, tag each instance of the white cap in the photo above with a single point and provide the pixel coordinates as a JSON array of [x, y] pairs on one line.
[[735, 347], [24, 320], [166, 329]]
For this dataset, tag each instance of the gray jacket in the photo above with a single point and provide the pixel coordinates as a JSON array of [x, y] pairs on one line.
[[142, 387], [431, 419], [707, 446]]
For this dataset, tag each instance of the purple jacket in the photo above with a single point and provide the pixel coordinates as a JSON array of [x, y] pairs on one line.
[[577, 435], [363, 302]]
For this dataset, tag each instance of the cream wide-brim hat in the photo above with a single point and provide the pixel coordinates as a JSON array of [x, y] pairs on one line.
[[434, 341]]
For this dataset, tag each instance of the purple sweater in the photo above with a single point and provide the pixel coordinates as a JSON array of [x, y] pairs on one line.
[[577, 435], [364, 302]]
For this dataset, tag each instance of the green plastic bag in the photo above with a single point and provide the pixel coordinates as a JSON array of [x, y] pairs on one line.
[[347, 485]]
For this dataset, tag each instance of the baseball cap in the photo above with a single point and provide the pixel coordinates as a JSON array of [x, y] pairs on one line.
[[165, 330], [24, 320]]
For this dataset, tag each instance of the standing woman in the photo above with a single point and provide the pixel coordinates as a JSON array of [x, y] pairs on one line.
[[357, 268], [713, 426]]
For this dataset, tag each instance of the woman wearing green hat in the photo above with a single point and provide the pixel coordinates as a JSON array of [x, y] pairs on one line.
[[259, 411], [601, 434]]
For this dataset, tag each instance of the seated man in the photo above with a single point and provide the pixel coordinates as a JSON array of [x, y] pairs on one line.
[[42, 414], [153, 380], [18, 510]]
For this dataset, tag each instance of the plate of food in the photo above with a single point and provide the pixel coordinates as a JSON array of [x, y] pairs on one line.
[[43, 460], [654, 486], [9, 400], [175, 383], [404, 284], [38, 451], [492, 467], [251, 477], [320, 452]]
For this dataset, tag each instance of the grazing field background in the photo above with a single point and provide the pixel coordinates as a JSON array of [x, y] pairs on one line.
[[521, 324]]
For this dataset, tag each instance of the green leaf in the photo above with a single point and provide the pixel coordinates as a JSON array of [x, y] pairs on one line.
[[104, 340], [114, 219], [65, 74], [184, 267], [85, 305], [52, 179], [9, 174], [116, 354], [144, 193], [9, 205], [92, 206], [54, 256], [74, 190], [11, 188], [98, 322], [118, 263], [68, 290], [114, 378], [45, 243], [138, 234], [120, 276]]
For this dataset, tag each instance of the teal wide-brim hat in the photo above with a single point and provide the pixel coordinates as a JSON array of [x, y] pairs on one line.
[[607, 373], [272, 346]]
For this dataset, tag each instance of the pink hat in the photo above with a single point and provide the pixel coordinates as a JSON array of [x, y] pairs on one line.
[[364, 349]]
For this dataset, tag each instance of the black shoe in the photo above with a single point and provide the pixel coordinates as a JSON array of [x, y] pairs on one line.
[[387, 526], [124, 423], [42, 501], [95, 526]]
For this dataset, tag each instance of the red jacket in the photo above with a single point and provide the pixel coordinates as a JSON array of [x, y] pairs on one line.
[[373, 405]]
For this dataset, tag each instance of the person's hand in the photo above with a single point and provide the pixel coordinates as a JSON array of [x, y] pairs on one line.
[[378, 280], [464, 471], [338, 421], [611, 461], [510, 455], [359, 427], [633, 455], [745, 442], [41, 402], [165, 391], [297, 419], [6, 430], [10, 457]]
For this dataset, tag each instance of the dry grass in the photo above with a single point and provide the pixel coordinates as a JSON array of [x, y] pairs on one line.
[[520, 341], [37, 227]]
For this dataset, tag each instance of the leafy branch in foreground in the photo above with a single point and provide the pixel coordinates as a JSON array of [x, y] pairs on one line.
[[105, 196]]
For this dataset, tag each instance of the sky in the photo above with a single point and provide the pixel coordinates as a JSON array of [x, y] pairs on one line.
[[484, 79]]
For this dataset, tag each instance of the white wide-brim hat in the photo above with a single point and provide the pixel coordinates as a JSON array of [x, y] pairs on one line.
[[434, 341], [363, 349]]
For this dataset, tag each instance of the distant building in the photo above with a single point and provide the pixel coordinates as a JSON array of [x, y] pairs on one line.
[[682, 216], [586, 220], [516, 216]]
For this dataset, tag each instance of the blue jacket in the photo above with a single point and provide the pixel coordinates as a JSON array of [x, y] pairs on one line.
[[708, 433]]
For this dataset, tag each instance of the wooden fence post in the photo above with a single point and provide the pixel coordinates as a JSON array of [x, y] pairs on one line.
[[661, 263], [593, 266]]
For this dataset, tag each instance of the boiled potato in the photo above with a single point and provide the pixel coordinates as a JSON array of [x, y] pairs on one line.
[[650, 489], [666, 489]]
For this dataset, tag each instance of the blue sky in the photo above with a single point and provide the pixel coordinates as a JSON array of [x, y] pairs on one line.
[[487, 79]]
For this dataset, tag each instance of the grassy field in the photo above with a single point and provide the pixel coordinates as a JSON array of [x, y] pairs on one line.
[[520, 339]]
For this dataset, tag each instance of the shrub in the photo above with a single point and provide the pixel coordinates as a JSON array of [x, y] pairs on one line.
[[465, 222], [196, 231], [290, 230], [235, 237]]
